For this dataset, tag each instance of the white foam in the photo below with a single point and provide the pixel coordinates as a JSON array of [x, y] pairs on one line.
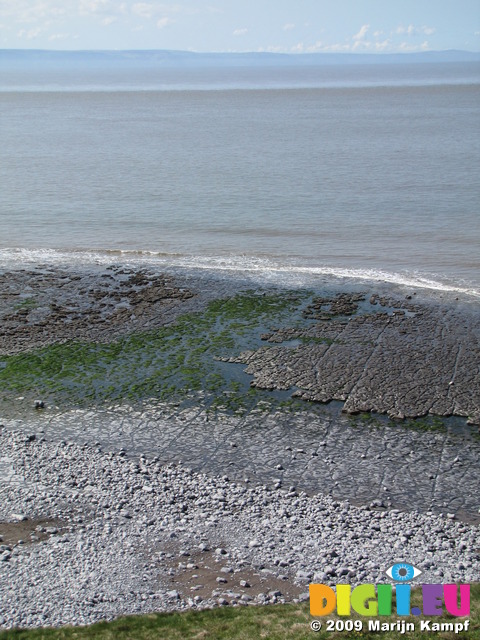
[[263, 268]]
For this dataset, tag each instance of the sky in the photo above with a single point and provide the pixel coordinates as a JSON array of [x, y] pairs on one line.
[[285, 26]]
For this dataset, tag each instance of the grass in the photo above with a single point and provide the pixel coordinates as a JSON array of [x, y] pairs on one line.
[[273, 622]]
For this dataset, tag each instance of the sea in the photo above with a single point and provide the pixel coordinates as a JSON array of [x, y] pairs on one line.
[[364, 172]]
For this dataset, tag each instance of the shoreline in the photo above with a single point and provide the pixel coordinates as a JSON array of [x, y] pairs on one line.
[[245, 424], [257, 270]]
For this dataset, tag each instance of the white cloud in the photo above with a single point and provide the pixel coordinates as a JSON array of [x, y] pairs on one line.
[[382, 46], [149, 10], [344, 47], [409, 47], [59, 36], [23, 11], [212, 9], [338, 47], [87, 7], [362, 44], [289, 26], [362, 33], [29, 34], [411, 30], [143, 10], [271, 49], [164, 22], [240, 32], [109, 20], [298, 48]]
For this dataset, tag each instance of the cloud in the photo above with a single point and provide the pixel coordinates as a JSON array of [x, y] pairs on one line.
[[408, 30], [240, 32], [360, 41], [149, 10], [320, 46], [164, 22], [362, 44], [362, 33], [109, 20], [88, 7], [409, 47], [298, 48], [289, 26], [212, 9], [411, 30], [143, 10], [271, 49], [382, 46], [60, 36], [29, 34], [339, 47], [379, 43], [23, 11]]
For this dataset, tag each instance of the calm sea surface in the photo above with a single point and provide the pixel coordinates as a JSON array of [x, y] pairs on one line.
[[371, 172]]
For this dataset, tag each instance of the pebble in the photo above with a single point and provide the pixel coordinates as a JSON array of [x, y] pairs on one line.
[[258, 528]]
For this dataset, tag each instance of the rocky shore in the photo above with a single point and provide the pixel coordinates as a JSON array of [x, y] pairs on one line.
[[125, 535], [50, 305], [316, 435], [374, 353]]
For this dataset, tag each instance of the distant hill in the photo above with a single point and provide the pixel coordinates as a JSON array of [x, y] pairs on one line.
[[28, 58]]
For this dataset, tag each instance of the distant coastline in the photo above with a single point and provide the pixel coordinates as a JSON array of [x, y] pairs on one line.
[[24, 58]]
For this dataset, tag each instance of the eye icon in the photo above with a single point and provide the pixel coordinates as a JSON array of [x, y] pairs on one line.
[[403, 572]]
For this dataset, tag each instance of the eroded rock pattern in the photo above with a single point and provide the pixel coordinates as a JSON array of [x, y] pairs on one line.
[[42, 307], [408, 362]]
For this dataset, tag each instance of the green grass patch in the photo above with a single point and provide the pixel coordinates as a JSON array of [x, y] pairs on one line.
[[273, 622]]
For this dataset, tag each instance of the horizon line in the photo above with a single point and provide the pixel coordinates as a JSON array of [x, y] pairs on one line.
[[272, 53]]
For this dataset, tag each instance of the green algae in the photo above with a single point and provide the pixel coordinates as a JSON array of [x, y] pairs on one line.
[[26, 303], [316, 340], [176, 363]]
